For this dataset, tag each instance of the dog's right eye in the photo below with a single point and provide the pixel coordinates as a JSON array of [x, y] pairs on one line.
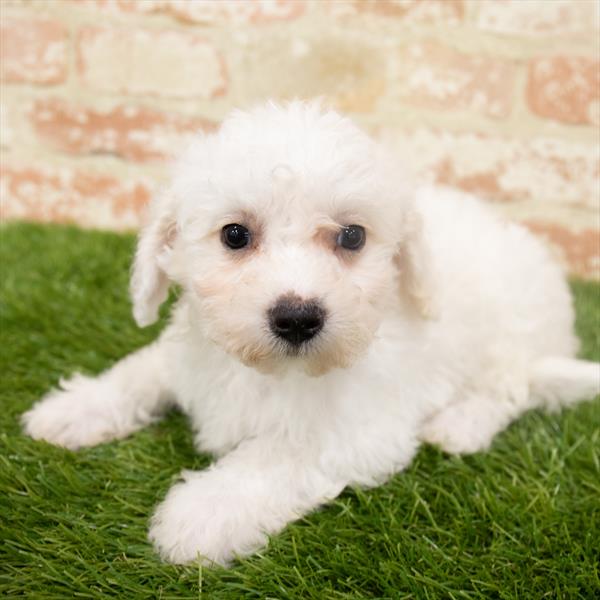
[[235, 236]]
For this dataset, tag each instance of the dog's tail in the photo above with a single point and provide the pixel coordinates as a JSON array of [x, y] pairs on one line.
[[561, 381]]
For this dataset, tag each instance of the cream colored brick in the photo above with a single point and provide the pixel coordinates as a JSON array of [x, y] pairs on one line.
[[535, 17], [432, 74], [140, 61], [205, 12], [548, 170], [347, 70], [412, 12], [6, 130]]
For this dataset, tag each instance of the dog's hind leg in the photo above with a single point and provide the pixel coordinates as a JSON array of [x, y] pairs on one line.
[[86, 411], [469, 424]]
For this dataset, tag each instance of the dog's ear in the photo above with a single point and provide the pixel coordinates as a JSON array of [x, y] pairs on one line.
[[149, 286], [417, 269]]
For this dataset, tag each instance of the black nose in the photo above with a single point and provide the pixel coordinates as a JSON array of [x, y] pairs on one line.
[[295, 320]]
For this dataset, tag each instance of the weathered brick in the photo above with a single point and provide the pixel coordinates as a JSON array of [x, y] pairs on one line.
[[64, 195], [579, 249], [6, 130], [165, 63], [536, 17], [131, 132], [544, 170], [36, 6], [347, 70], [565, 89], [206, 11], [437, 76], [33, 50], [447, 12]]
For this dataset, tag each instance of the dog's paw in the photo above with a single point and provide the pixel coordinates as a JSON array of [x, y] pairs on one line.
[[199, 520], [78, 415], [461, 428]]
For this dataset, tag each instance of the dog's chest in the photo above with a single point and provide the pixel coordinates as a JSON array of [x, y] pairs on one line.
[[228, 403]]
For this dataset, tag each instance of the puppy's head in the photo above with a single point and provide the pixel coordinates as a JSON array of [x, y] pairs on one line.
[[285, 231]]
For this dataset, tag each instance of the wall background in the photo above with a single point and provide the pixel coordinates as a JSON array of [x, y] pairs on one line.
[[498, 97]]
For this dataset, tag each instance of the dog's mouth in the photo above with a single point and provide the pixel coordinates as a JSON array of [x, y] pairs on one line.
[[299, 350], [278, 356], [314, 357], [336, 345]]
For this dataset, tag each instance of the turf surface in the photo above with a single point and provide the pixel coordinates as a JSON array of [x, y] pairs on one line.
[[520, 521]]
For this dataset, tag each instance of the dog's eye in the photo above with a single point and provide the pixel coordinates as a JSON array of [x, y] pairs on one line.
[[235, 236], [351, 237]]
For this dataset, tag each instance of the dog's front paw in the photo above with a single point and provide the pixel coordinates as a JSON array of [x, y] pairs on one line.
[[202, 520], [80, 414]]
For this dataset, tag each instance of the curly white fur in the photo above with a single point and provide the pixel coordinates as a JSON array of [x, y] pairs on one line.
[[446, 326]]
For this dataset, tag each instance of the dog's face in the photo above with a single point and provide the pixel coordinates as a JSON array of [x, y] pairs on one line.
[[284, 231]]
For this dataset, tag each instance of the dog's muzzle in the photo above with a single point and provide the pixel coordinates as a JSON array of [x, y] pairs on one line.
[[295, 320]]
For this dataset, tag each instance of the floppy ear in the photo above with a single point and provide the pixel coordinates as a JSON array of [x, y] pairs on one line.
[[417, 269], [149, 286]]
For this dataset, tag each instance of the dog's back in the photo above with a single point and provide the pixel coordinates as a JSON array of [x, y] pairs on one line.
[[496, 275], [506, 320]]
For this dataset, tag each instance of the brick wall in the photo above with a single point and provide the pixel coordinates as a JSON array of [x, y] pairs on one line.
[[498, 97]]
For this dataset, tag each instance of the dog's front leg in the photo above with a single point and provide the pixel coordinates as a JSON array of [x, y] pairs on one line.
[[90, 410], [230, 509]]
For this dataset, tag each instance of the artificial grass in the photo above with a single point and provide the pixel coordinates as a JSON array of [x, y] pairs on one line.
[[520, 521]]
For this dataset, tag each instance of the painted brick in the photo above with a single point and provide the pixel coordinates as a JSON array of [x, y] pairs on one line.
[[131, 132], [544, 170], [42, 5], [346, 70], [579, 250], [33, 51], [6, 129], [535, 17], [64, 195], [206, 11], [446, 12], [148, 62], [440, 77], [565, 89]]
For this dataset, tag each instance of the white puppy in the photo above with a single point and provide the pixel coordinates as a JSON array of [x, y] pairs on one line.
[[330, 319]]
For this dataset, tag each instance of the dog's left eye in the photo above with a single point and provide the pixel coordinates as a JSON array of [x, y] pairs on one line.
[[235, 236], [352, 237]]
